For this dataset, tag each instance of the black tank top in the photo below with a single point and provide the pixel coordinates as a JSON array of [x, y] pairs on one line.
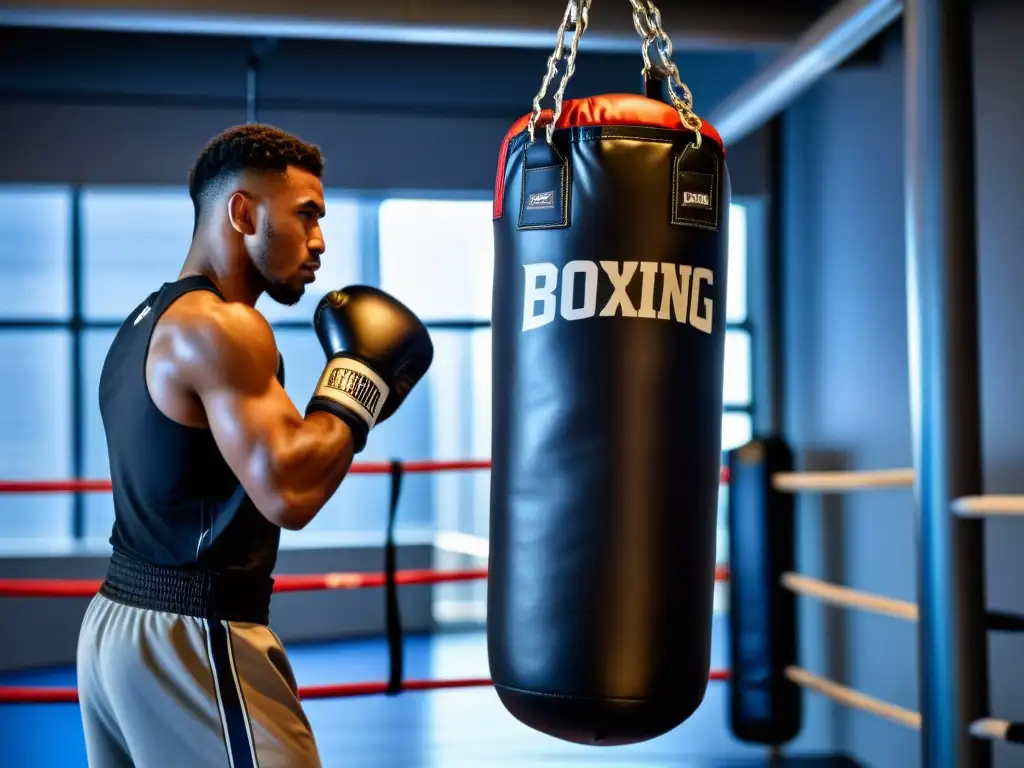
[[177, 504]]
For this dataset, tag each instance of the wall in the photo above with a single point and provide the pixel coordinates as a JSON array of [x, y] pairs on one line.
[[999, 60], [104, 107], [847, 398]]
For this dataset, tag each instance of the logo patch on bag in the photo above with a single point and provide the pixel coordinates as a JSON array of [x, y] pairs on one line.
[[541, 200], [544, 198], [695, 189]]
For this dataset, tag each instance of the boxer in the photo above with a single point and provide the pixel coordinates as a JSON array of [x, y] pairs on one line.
[[210, 459]]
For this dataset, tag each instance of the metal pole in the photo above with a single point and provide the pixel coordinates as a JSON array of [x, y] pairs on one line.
[[945, 401], [776, 302], [847, 26], [78, 387], [258, 51]]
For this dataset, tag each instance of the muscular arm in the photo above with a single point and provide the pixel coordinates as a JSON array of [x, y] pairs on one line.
[[226, 357]]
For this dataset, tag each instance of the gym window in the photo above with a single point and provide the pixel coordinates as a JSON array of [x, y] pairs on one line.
[[97, 251]]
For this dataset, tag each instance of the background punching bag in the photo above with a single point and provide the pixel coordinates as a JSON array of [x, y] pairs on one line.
[[608, 346], [764, 704]]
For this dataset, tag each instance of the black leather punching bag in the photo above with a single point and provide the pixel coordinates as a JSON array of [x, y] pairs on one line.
[[764, 704], [608, 347]]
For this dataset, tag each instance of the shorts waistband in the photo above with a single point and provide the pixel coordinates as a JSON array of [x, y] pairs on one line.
[[221, 596]]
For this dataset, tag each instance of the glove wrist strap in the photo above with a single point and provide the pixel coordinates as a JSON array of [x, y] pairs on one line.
[[355, 386]]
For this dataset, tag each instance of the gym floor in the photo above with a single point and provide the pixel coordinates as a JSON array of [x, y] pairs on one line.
[[443, 729]]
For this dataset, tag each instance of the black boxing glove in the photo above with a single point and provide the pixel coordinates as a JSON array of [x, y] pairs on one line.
[[377, 350]]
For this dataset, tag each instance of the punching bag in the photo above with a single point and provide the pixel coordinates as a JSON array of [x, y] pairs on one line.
[[608, 329], [764, 704]]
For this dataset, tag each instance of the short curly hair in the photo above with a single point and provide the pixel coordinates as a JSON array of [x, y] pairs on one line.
[[254, 146]]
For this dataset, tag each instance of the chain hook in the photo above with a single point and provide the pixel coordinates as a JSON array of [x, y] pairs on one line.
[[647, 21], [552, 68], [576, 17]]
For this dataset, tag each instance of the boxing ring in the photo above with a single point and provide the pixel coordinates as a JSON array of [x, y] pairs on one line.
[[962, 508], [782, 484]]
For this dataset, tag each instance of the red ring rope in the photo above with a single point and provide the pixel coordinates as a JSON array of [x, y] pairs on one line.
[[359, 468], [18, 694], [285, 583]]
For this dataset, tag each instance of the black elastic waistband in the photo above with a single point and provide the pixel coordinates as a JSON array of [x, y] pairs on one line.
[[221, 596]]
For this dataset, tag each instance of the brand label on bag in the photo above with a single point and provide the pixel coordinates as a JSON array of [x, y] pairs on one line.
[[541, 200], [648, 289], [695, 189], [545, 201]]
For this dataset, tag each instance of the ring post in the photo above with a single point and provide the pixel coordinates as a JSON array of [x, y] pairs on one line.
[[944, 387], [393, 613]]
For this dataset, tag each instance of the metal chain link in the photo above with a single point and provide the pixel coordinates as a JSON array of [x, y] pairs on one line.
[[647, 20], [577, 13], [582, 20]]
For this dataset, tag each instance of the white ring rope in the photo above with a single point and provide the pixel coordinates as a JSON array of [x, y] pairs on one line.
[[993, 729], [852, 698], [849, 598], [983, 506], [857, 480]]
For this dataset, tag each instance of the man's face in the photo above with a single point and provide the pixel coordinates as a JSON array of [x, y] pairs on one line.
[[289, 243]]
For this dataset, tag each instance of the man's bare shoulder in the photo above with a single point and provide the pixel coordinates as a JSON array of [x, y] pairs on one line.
[[214, 339]]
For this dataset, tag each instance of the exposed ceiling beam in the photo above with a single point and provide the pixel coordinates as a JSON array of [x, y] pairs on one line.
[[724, 24], [835, 36]]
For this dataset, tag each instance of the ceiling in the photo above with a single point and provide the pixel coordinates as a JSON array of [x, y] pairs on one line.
[[713, 25]]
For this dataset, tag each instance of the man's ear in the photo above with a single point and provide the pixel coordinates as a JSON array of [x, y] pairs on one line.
[[242, 213]]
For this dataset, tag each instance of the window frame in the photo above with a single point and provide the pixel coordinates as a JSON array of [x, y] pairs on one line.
[[77, 323]]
